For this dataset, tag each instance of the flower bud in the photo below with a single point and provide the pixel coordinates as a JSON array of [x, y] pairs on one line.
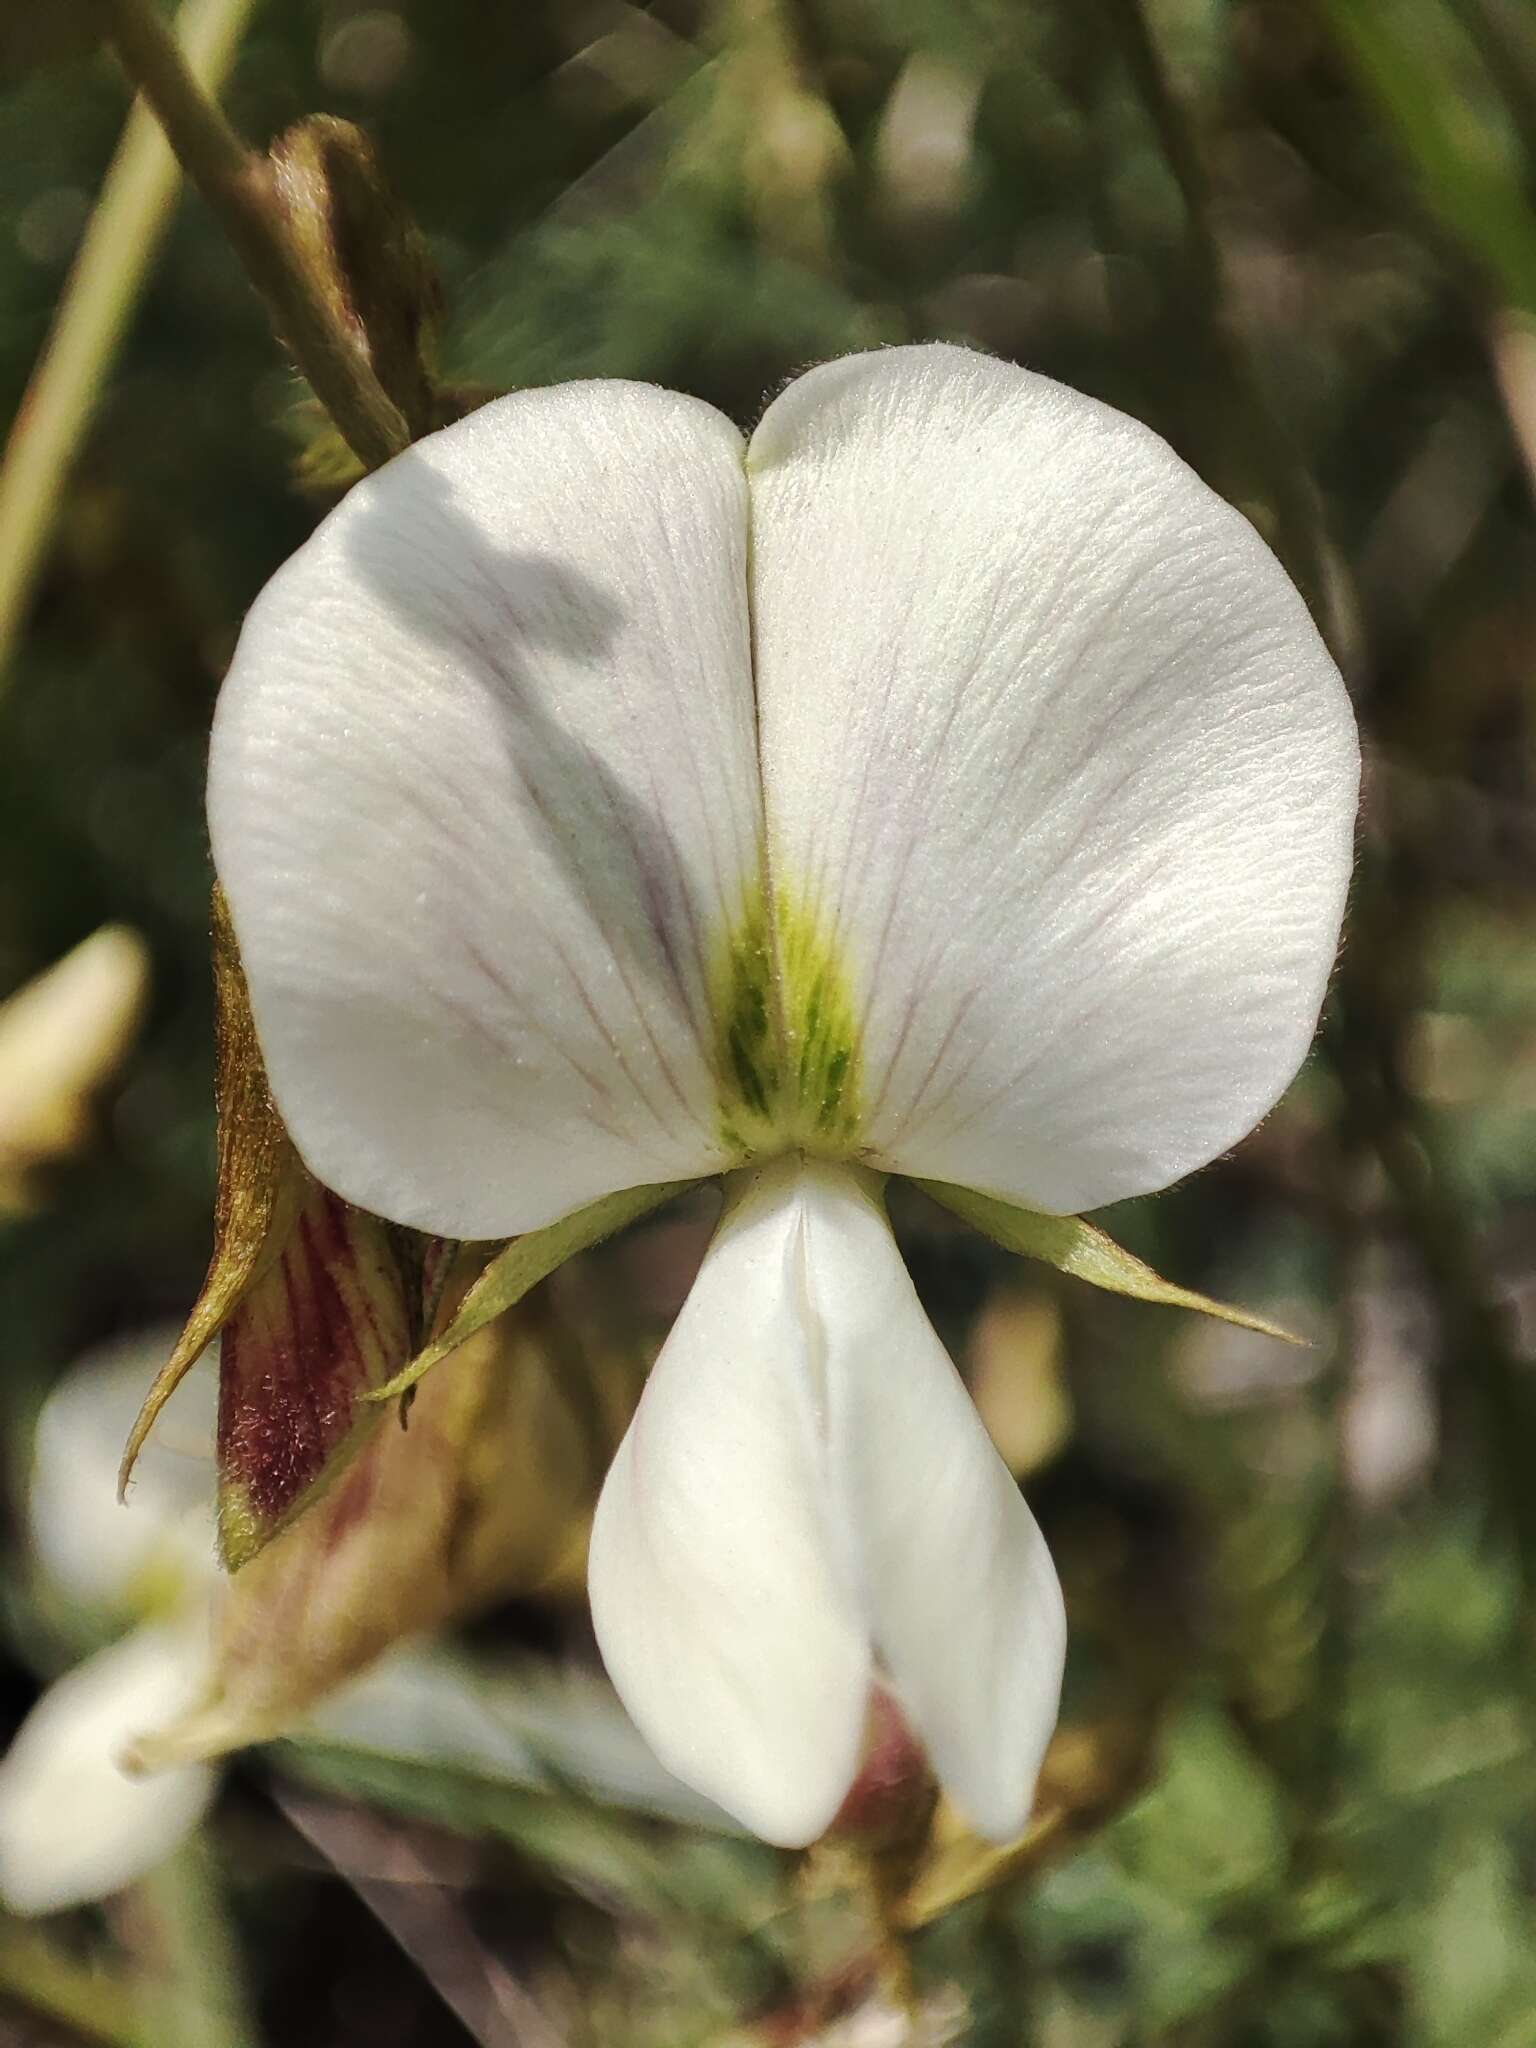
[[61, 1038], [368, 256], [892, 1800]]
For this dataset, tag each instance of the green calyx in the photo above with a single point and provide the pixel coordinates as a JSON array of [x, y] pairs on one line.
[[787, 1038]]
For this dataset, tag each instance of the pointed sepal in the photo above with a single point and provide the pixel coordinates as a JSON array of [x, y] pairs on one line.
[[1087, 1253], [521, 1265], [316, 1302], [260, 1182]]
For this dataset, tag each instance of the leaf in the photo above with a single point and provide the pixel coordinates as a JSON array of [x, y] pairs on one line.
[[523, 1264], [1087, 1253]]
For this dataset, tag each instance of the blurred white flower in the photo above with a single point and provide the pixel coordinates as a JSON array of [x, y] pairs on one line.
[[942, 783], [120, 1558], [73, 1824], [940, 2022]]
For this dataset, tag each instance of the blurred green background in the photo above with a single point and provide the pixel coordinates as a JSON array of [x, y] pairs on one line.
[[1294, 1800]]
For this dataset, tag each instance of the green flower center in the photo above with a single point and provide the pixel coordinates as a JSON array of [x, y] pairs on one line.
[[787, 1039]]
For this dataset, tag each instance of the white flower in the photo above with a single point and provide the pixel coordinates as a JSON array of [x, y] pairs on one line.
[[74, 1825], [943, 783], [116, 1558]]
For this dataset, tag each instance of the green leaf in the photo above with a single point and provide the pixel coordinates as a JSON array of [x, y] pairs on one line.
[[1087, 1253], [1212, 1828], [526, 1261]]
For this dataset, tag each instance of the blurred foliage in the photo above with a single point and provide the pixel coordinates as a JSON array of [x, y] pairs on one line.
[[1293, 1803]]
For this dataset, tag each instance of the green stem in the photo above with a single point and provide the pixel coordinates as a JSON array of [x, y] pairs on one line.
[[103, 288], [238, 186], [191, 1990]]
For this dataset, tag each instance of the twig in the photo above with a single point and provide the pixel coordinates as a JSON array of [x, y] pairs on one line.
[[106, 281], [241, 189]]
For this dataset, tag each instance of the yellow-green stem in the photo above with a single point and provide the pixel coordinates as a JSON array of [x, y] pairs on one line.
[[103, 287]]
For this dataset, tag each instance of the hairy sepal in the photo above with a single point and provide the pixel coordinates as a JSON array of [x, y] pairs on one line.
[[486, 1495], [1087, 1253], [328, 1321]]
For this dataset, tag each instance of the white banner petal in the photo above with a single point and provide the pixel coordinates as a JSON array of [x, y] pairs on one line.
[[73, 1825], [1055, 762], [961, 1595], [483, 794], [722, 1608]]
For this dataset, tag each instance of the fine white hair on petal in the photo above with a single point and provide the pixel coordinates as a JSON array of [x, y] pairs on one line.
[[805, 1489], [1054, 752], [962, 1599], [73, 1825], [723, 1611], [482, 793]]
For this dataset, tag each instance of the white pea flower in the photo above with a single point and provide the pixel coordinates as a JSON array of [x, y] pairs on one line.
[[110, 1559], [943, 782], [74, 1825]]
